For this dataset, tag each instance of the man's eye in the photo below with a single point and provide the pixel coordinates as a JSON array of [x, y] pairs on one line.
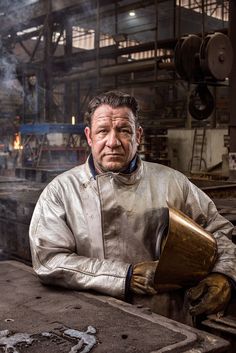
[[102, 131]]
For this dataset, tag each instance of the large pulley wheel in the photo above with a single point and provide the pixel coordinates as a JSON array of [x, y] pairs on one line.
[[201, 102], [187, 57], [216, 56]]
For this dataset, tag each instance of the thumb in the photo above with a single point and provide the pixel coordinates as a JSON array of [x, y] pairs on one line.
[[197, 292]]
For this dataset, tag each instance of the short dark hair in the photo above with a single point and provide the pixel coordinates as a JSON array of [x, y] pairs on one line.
[[115, 99]]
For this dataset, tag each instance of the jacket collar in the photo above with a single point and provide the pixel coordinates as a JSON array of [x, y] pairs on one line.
[[129, 176], [130, 169]]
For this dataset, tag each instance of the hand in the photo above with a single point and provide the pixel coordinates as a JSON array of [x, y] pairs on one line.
[[210, 296], [142, 280]]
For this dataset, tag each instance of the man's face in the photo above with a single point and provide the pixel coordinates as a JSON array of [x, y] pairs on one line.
[[113, 138]]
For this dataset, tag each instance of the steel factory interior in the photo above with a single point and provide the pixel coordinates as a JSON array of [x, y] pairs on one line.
[[178, 59]]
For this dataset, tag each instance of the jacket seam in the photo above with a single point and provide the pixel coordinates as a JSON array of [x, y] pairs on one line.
[[90, 273], [102, 217]]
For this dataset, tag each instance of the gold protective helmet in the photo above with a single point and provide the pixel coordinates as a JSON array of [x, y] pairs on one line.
[[188, 253]]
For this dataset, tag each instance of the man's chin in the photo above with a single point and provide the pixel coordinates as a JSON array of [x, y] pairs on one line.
[[113, 167]]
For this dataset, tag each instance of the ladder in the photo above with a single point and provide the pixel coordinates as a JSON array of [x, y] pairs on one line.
[[197, 150]]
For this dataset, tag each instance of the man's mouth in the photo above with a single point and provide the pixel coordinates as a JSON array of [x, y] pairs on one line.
[[113, 155]]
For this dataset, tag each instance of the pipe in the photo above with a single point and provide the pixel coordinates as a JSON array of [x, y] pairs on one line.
[[115, 70]]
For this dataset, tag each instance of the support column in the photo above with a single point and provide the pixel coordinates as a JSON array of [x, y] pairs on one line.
[[68, 96], [79, 118], [232, 90], [97, 45], [48, 50]]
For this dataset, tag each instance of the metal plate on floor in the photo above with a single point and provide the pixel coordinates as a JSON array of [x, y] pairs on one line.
[[51, 319]]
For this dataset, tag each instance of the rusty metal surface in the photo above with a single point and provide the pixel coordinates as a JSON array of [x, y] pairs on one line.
[[216, 188], [41, 175], [223, 326], [225, 321], [43, 315], [223, 194], [17, 201], [227, 208], [223, 191]]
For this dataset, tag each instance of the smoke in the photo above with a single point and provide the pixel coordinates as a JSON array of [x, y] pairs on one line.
[[13, 3], [29, 2], [8, 63]]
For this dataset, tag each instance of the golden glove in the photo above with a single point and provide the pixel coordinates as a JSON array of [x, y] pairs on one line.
[[142, 280], [210, 296]]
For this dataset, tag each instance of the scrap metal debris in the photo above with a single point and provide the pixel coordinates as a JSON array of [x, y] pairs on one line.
[[84, 338], [9, 341]]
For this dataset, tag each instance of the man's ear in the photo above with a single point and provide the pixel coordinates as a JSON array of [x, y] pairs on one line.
[[87, 132], [139, 134]]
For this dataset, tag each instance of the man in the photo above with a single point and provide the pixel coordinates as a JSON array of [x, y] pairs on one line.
[[96, 226]]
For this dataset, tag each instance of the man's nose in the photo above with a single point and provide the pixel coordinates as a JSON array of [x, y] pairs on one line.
[[113, 139]]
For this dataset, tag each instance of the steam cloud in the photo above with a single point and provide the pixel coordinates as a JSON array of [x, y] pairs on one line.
[[8, 64]]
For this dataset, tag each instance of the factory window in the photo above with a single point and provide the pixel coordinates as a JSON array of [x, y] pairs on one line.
[[28, 30], [57, 37], [106, 40], [83, 38], [217, 9]]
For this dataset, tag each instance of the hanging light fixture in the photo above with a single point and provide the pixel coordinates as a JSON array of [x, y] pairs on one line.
[[132, 13]]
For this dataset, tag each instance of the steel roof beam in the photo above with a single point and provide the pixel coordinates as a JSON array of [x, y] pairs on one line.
[[33, 14]]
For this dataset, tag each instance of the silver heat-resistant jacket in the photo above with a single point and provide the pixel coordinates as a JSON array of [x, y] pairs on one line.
[[86, 232]]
